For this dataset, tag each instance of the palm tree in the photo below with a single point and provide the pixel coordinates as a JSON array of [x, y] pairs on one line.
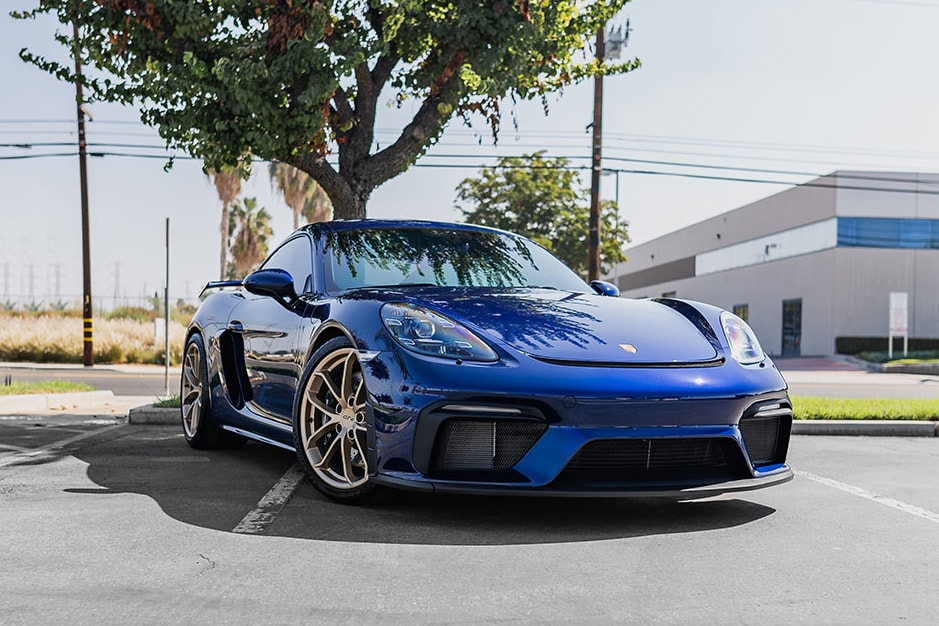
[[302, 194], [250, 229], [228, 185]]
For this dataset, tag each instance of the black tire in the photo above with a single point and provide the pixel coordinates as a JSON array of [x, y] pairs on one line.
[[330, 428], [199, 427]]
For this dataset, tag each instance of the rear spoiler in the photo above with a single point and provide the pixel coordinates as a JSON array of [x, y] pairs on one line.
[[218, 284]]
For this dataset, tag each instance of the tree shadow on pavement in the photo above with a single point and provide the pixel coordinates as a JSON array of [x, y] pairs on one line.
[[216, 489]]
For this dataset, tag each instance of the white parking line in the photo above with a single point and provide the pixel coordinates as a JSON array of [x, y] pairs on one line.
[[271, 504], [874, 497], [55, 445]]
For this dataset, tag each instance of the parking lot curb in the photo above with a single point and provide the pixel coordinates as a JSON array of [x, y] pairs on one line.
[[870, 428], [157, 416]]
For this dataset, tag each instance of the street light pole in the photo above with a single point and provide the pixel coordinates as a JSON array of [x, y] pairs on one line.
[[88, 357]]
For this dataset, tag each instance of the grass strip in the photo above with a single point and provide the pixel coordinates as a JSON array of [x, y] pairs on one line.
[[173, 402], [20, 388], [812, 408]]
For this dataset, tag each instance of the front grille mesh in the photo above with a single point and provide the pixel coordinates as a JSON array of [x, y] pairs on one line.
[[483, 445], [648, 463], [647, 454], [761, 435]]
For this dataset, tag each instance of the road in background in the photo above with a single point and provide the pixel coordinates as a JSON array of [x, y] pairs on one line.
[[122, 380], [832, 378]]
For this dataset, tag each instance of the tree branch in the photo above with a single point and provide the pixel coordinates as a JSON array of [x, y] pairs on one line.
[[426, 124], [382, 70], [343, 106]]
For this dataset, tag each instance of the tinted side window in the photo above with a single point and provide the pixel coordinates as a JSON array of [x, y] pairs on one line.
[[295, 257]]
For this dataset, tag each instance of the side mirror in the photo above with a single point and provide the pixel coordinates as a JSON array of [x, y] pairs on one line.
[[604, 288], [276, 283]]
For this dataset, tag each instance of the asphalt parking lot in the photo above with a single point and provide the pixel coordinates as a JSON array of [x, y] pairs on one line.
[[108, 522]]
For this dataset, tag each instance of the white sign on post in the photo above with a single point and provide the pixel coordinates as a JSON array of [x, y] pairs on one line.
[[899, 320]]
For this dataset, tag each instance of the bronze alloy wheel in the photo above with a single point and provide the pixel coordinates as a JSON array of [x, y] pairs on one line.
[[191, 390], [332, 424]]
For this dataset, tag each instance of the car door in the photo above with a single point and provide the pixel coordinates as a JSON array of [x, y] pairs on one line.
[[270, 329]]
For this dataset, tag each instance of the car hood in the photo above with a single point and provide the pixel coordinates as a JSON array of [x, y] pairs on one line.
[[583, 328]]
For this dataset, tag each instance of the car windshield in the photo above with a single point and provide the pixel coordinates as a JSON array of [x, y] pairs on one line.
[[437, 256]]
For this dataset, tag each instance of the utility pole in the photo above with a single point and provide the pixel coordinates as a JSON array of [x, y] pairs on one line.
[[593, 236], [617, 40], [166, 314], [88, 331]]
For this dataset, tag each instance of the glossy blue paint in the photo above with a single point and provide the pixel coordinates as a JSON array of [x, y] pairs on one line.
[[590, 367]]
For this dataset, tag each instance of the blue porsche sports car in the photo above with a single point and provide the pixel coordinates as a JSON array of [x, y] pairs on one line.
[[455, 358]]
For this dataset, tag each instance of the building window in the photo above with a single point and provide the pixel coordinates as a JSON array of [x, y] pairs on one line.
[[742, 311], [882, 232]]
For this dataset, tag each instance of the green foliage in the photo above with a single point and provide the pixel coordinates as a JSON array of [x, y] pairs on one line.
[[913, 356], [173, 402], [294, 81], [540, 198], [810, 408]]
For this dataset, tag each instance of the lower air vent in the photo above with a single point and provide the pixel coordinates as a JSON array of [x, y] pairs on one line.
[[648, 454], [478, 445], [646, 463], [761, 437]]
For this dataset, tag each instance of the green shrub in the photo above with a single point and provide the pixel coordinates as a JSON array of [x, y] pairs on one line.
[[912, 356]]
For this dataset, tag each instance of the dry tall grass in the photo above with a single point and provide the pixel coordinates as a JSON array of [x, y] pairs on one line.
[[57, 339]]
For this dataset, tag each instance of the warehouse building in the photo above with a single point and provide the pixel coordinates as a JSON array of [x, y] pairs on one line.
[[812, 268]]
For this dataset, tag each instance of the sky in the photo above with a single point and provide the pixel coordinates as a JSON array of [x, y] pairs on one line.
[[792, 88]]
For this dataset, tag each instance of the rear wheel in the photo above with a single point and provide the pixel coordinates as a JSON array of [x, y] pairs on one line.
[[330, 427], [200, 429]]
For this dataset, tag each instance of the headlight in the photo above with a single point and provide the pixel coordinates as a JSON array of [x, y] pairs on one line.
[[742, 340], [430, 333]]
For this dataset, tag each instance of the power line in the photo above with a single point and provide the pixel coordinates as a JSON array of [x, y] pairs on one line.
[[587, 167], [575, 136]]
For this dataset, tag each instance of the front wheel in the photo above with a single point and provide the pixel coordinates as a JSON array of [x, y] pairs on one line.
[[330, 427]]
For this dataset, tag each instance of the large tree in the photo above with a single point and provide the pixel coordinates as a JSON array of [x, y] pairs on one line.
[[300, 81], [542, 198]]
